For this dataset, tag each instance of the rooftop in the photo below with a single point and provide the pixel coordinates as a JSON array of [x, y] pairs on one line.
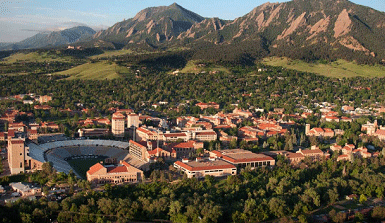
[[240, 155], [205, 165]]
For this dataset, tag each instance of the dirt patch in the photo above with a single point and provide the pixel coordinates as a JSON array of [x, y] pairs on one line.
[[342, 25]]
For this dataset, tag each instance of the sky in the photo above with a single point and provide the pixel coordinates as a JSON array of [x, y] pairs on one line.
[[20, 19]]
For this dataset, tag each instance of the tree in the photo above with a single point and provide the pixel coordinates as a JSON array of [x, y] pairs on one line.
[[378, 213], [363, 198], [233, 144], [277, 207]]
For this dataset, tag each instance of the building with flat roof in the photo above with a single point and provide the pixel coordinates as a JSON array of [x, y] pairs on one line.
[[19, 160], [242, 158], [97, 132], [175, 136], [25, 189], [133, 120], [118, 127], [201, 168], [207, 105], [121, 173]]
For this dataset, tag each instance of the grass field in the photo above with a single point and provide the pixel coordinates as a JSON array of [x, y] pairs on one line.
[[81, 166], [192, 67], [35, 57], [339, 68], [95, 71], [110, 53]]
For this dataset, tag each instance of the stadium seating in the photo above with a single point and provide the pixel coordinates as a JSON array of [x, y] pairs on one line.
[[58, 151]]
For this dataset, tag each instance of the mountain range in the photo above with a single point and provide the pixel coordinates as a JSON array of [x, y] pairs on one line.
[[53, 39], [303, 29]]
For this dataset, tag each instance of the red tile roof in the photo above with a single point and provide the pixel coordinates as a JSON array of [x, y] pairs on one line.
[[155, 151], [380, 132], [95, 168], [117, 169], [206, 133], [207, 167], [17, 142], [175, 134], [189, 144], [138, 143]]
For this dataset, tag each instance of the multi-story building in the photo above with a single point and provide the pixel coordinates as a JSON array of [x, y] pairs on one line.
[[45, 99], [315, 153], [145, 133], [32, 134], [208, 135], [132, 120], [118, 127], [175, 136], [184, 149], [208, 105], [16, 126], [16, 155], [201, 168], [121, 173], [243, 113], [242, 158]]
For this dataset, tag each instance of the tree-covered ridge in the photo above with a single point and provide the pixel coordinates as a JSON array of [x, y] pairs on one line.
[[275, 87]]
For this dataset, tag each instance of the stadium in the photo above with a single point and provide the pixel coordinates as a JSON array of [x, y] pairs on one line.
[[79, 155]]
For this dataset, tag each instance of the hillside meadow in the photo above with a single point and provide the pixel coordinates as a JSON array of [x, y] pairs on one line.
[[338, 69]]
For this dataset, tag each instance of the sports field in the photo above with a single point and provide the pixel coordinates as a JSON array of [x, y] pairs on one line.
[[81, 166]]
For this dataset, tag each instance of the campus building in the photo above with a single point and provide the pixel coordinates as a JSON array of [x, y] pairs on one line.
[[133, 120], [242, 158], [201, 168], [118, 127], [121, 173], [19, 160]]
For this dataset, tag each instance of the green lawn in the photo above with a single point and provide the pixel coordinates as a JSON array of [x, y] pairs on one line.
[[95, 71], [35, 57], [193, 67], [110, 53], [339, 68], [81, 166]]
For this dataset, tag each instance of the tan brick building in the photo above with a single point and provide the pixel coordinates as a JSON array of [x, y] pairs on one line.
[[118, 127], [242, 158], [45, 99], [132, 120], [201, 168], [121, 173], [16, 156]]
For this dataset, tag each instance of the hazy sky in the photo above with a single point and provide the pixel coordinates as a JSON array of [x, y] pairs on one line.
[[20, 19]]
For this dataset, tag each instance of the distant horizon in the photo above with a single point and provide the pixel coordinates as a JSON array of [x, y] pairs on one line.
[[24, 18]]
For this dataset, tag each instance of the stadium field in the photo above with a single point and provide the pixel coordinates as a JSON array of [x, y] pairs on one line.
[[81, 166]]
